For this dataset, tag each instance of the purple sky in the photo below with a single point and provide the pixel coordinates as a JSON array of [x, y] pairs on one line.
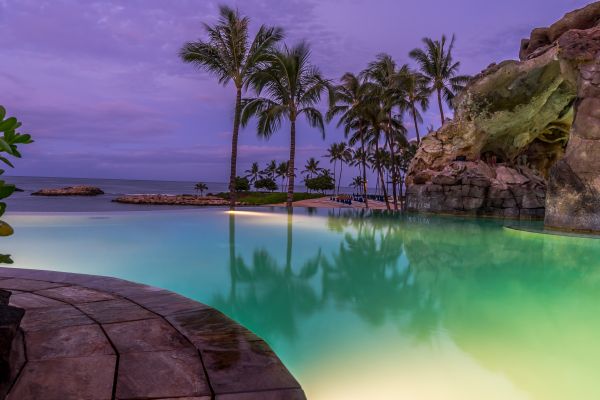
[[100, 87]]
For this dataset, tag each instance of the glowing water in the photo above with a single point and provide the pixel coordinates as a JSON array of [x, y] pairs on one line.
[[362, 308]]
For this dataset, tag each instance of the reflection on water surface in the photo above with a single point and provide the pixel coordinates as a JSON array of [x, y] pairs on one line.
[[407, 307]]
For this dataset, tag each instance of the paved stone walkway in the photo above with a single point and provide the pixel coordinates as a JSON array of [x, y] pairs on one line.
[[92, 337]]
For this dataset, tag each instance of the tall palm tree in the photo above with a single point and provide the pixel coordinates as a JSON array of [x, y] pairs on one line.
[[293, 87], [380, 160], [356, 182], [228, 54], [350, 98], [281, 172], [378, 120], [312, 167], [438, 66], [253, 173], [387, 88], [346, 154], [416, 93], [271, 169]]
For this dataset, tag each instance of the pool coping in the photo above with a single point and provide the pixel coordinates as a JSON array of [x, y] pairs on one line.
[[97, 337]]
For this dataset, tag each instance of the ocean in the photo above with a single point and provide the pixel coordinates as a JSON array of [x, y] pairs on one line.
[[25, 202]]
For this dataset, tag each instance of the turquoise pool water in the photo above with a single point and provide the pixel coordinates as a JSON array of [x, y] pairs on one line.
[[362, 307]]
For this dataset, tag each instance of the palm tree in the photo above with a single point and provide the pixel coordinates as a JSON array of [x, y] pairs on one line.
[[440, 70], [380, 160], [253, 173], [346, 154], [294, 87], [281, 172], [229, 56], [356, 182], [350, 97], [377, 118], [200, 187], [312, 167], [416, 92], [271, 169], [387, 88]]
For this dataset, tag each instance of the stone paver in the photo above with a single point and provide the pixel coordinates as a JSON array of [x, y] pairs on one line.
[[245, 366], [92, 337], [71, 341], [175, 373], [110, 311], [26, 285], [286, 394], [31, 300], [53, 318], [146, 335], [75, 294], [66, 379]]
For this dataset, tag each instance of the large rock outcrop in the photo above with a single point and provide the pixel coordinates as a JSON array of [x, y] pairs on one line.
[[525, 132]]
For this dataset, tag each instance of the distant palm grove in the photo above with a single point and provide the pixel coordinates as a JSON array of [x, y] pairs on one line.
[[276, 83]]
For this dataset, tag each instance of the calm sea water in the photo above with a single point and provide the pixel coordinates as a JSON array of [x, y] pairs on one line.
[[362, 307], [23, 201]]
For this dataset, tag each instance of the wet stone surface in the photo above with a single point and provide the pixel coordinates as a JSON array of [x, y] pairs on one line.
[[100, 338]]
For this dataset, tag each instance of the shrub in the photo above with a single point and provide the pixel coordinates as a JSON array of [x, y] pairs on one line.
[[266, 184], [242, 184]]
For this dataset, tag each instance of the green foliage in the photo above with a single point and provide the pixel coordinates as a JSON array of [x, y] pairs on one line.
[[9, 142], [264, 198], [241, 184], [266, 184], [321, 183]]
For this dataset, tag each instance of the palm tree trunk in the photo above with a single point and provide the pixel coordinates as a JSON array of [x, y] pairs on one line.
[[414, 115], [234, 146], [400, 183], [290, 193], [364, 171], [340, 180], [334, 180], [380, 170], [390, 144], [439, 97]]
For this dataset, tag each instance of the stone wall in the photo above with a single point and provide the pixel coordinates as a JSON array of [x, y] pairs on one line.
[[479, 189]]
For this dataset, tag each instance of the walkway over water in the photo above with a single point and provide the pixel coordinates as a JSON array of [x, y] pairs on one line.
[[95, 337]]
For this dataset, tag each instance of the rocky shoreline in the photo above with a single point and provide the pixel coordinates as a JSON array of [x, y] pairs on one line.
[[180, 200], [80, 190]]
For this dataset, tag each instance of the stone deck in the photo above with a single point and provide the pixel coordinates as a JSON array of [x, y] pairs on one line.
[[92, 337]]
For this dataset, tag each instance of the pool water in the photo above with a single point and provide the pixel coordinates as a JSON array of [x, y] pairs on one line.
[[362, 306]]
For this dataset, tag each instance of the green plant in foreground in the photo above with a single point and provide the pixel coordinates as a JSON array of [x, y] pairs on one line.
[[9, 142]]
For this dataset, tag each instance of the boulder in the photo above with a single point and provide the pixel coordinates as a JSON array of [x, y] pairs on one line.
[[79, 190], [526, 132], [12, 356]]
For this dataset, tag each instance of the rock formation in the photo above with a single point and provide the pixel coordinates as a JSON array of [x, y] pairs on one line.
[[179, 200], [525, 136], [80, 190]]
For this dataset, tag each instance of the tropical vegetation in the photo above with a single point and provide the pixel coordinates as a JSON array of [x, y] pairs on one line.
[[229, 55], [283, 85]]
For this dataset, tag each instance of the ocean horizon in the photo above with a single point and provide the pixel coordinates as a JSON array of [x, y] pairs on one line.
[[24, 202]]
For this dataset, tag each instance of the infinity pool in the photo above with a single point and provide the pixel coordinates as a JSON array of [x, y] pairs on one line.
[[362, 307]]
